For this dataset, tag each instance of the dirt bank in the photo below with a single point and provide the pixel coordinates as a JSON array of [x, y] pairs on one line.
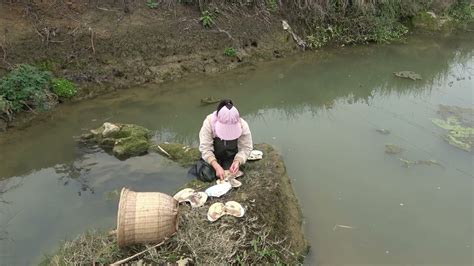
[[270, 231], [108, 45]]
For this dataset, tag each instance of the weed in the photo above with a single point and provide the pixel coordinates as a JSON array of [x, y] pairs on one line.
[[272, 5], [27, 87], [64, 88], [230, 52], [152, 4], [206, 19]]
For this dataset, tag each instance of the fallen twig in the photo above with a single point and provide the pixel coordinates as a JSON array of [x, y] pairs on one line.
[[92, 39], [141, 252], [163, 151]]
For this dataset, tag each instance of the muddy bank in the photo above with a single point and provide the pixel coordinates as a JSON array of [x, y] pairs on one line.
[[104, 46], [270, 231]]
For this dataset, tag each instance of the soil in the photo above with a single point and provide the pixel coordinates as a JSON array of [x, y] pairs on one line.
[[111, 45]]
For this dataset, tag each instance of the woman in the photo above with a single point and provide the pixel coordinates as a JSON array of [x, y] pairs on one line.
[[225, 142]]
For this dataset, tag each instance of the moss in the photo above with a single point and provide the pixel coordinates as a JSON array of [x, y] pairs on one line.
[[130, 140], [130, 146], [182, 154]]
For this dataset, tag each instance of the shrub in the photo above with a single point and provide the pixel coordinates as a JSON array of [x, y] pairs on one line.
[[461, 11], [206, 19], [230, 52], [27, 87], [64, 88]]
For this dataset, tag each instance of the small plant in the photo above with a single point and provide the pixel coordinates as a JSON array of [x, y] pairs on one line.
[[206, 19], [272, 5], [152, 4], [27, 87], [64, 88], [230, 52]]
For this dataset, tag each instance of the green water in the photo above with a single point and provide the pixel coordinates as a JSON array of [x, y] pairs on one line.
[[320, 110]]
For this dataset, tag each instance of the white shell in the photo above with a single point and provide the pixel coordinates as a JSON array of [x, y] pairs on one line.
[[218, 190], [255, 155]]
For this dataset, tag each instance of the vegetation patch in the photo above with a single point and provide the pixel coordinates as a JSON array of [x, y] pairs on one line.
[[64, 88], [27, 88], [230, 52], [206, 19]]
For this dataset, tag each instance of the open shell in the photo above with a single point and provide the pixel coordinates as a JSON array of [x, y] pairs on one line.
[[216, 211], [183, 194], [255, 155], [218, 190], [234, 208]]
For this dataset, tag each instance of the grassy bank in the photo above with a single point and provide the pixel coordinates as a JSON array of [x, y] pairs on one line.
[[269, 233]]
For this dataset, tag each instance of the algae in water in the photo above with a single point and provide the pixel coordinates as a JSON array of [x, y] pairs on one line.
[[458, 122]]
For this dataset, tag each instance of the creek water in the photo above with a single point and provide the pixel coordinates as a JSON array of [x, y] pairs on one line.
[[320, 110]]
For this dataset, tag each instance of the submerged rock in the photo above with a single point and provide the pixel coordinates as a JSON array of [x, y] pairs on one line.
[[210, 100], [408, 163], [459, 125], [392, 149], [180, 153], [408, 75], [124, 140]]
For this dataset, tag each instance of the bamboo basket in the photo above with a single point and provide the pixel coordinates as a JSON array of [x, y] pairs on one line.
[[145, 217]]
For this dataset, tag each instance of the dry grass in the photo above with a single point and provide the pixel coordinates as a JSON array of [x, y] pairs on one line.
[[270, 231]]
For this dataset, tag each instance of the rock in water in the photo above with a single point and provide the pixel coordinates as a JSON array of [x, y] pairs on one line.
[[408, 75], [392, 149], [125, 140], [109, 129]]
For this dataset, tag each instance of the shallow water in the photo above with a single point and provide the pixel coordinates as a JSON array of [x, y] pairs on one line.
[[320, 110]]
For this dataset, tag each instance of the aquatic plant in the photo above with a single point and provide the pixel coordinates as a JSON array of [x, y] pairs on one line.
[[458, 135], [27, 87], [63, 88]]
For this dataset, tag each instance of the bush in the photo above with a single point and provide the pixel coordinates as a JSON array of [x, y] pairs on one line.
[[64, 88], [230, 52], [27, 87]]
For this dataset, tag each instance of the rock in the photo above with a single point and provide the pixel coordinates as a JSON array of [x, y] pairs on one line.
[[210, 100], [392, 149], [408, 75], [383, 131], [109, 129], [125, 140]]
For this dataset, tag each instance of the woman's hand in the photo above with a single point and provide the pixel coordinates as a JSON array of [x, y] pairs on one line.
[[234, 168], [219, 169]]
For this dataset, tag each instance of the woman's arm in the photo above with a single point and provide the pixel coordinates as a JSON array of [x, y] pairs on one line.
[[244, 144], [206, 141]]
